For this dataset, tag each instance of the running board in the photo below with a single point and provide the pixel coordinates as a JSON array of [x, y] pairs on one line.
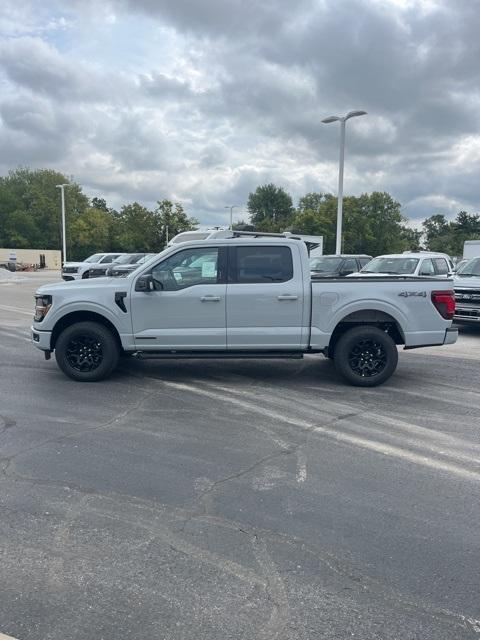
[[176, 355]]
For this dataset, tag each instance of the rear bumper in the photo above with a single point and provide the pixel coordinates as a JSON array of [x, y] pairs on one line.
[[41, 339], [451, 335]]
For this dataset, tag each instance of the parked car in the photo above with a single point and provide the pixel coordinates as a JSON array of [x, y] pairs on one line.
[[120, 269], [79, 270], [252, 297], [467, 292], [408, 264], [100, 270], [337, 265], [459, 264]]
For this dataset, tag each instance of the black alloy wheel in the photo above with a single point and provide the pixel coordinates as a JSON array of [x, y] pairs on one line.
[[87, 351], [84, 353], [366, 356]]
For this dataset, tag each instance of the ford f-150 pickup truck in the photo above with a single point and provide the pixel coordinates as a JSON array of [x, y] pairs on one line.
[[247, 295]]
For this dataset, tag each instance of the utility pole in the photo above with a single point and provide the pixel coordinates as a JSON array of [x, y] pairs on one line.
[[64, 236], [342, 120], [232, 207]]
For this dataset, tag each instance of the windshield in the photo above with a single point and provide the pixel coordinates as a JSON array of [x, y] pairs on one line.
[[325, 264], [129, 258], [470, 268], [142, 261], [95, 258], [393, 266], [145, 258]]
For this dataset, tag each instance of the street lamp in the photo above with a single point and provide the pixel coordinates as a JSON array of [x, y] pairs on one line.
[[342, 120], [234, 206], [64, 238]]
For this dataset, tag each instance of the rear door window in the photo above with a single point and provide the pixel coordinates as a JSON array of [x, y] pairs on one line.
[[350, 264], [441, 266], [261, 264], [427, 268]]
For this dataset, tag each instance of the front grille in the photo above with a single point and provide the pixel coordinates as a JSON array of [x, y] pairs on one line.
[[467, 312], [70, 269], [467, 295]]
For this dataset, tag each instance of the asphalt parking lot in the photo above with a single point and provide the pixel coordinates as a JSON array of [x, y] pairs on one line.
[[237, 499]]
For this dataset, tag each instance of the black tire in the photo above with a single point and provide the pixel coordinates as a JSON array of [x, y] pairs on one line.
[[87, 352], [366, 356]]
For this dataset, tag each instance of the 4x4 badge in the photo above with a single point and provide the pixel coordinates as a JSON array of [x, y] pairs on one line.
[[409, 294]]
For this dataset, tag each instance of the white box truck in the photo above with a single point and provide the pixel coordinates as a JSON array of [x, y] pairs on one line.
[[471, 249]]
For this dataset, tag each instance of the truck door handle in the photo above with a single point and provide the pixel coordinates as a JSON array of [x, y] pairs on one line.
[[287, 296], [210, 298]]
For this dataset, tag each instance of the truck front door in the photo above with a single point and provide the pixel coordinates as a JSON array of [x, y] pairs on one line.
[[265, 298], [186, 308]]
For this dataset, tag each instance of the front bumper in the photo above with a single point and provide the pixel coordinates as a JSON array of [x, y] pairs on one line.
[[70, 276], [41, 339], [467, 314]]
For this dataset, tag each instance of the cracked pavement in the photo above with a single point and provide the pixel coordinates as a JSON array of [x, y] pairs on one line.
[[237, 499]]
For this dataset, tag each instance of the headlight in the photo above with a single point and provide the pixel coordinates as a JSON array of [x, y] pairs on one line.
[[42, 307]]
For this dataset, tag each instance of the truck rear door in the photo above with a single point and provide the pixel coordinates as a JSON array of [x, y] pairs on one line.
[[265, 297]]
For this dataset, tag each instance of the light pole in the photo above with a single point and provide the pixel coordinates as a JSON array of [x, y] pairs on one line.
[[342, 120], [64, 237], [234, 206]]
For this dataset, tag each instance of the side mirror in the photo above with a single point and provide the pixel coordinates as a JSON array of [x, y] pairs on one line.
[[145, 283]]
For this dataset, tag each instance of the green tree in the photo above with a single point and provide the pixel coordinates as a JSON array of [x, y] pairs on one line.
[[92, 233], [30, 207], [372, 223], [437, 232], [270, 208], [170, 219], [135, 229], [449, 236]]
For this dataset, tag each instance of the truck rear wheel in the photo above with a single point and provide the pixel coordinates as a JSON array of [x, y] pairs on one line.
[[366, 356], [87, 352]]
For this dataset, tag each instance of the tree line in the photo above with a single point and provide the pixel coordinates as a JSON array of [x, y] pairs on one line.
[[30, 218], [373, 222]]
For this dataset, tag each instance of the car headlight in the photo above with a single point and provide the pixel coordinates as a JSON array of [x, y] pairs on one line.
[[42, 307]]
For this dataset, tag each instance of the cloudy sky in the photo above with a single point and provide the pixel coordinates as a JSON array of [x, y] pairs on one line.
[[203, 100]]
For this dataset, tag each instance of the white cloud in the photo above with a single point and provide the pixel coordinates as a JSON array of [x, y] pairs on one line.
[[205, 101]]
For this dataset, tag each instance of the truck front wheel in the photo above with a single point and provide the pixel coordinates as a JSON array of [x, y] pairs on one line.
[[87, 351], [366, 356]]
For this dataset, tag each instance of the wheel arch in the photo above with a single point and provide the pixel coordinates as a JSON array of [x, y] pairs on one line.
[[83, 316], [367, 317]]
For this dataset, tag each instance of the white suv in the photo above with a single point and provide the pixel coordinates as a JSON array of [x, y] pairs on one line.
[[79, 270], [409, 263]]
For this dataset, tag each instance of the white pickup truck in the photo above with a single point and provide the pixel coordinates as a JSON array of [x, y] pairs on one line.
[[242, 296]]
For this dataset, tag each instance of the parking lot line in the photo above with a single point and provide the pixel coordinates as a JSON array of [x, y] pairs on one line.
[[4, 307]]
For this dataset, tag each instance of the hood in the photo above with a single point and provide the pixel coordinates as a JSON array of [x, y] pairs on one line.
[[88, 283], [466, 282], [73, 264]]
